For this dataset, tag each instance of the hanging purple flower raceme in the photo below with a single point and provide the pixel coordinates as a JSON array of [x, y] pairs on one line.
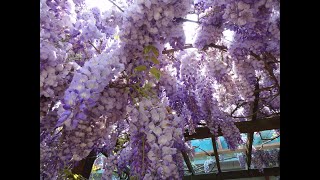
[[87, 84], [210, 30], [264, 158], [47, 124], [124, 159], [154, 138], [50, 162], [218, 119], [190, 72]]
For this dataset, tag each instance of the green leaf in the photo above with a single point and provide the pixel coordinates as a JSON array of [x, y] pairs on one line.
[[146, 57], [155, 72], [67, 172], [147, 49], [133, 178], [155, 60], [155, 51], [140, 68], [76, 176], [147, 86]]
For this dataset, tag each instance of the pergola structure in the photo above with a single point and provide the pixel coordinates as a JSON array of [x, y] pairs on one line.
[[250, 127], [84, 167]]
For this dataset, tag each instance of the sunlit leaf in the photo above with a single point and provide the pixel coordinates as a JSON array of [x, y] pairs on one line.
[[66, 171], [155, 72], [140, 68], [133, 178], [95, 168], [148, 86], [155, 60], [147, 49], [155, 51]]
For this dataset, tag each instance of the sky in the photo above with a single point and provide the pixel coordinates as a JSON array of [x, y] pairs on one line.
[[103, 5]]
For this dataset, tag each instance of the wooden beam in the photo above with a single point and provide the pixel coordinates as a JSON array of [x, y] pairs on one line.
[[242, 149], [275, 171], [187, 160], [244, 127], [259, 125], [84, 166], [216, 155], [249, 149], [250, 136]]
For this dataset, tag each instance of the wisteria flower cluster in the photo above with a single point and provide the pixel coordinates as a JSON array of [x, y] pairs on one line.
[[119, 79]]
